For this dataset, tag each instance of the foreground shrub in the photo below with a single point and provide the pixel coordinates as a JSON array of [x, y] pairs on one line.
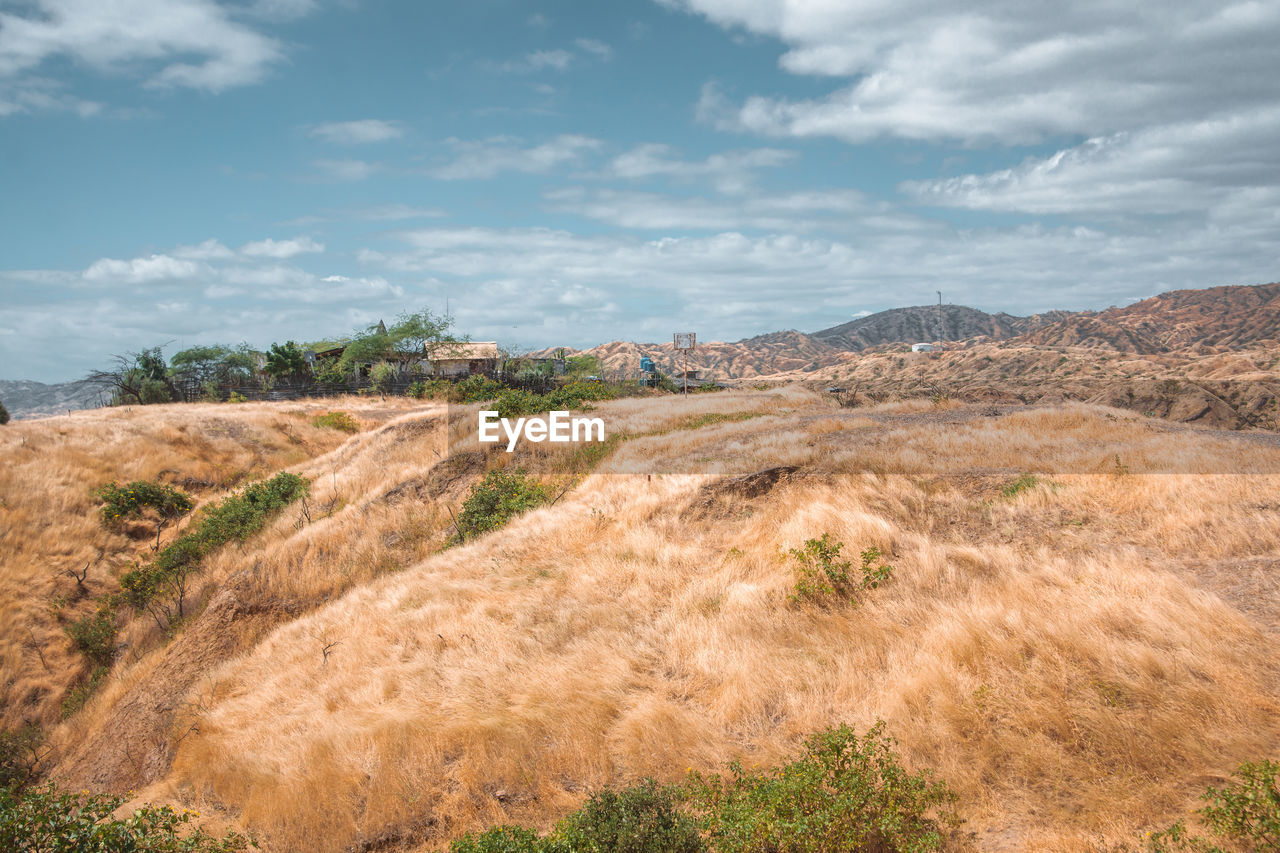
[[493, 502], [476, 389], [44, 820], [340, 421], [129, 501], [160, 587], [20, 756], [94, 636], [4, 415], [821, 574], [1244, 814], [639, 819], [843, 793], [500, 839]]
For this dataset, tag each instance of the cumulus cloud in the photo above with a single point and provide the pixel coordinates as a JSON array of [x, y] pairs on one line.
[[994, 71], [357, 132], [487, 158], [187, 43], [730, 172], [140, 270], [344, 170], [281, 248]]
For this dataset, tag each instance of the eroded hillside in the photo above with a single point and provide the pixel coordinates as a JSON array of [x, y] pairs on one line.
[[1076, 646]]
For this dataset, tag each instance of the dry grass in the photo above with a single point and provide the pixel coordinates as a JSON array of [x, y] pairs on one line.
[[1064, 656], [49, 524]]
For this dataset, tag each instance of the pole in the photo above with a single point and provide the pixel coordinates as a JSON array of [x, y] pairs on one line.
[[939, 316]]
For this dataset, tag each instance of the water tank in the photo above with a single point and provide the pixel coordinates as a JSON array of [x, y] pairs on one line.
[[647, 365]]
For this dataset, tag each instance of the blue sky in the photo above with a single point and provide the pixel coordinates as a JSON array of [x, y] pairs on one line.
[[193, 171]]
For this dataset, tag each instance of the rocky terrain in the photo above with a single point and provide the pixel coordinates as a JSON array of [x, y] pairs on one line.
[[26, 399]]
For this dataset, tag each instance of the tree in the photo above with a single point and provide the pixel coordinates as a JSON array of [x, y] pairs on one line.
[[4, 415], [137, 378], [422, 334], [286, 360]]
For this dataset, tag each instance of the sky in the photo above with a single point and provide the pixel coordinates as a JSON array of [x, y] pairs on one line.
[[182, 172]]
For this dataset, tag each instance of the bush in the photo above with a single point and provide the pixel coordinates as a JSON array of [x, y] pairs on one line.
[[426, 389], [160, 587], [95, 636], [45, 820], [496, 499], [1245, 814], [20, 756], [77, 696], [237, 397], [843, 793], [476, 389], [500, 839], [129, 500], [4, 415], [639, 819], [340, 421], [822, 574], [383, 375]]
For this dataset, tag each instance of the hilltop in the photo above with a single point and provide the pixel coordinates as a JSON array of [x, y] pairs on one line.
[[921, 324], [1074, 650]]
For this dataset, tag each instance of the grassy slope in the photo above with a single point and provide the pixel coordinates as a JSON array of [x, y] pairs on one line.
[[1069, 656]]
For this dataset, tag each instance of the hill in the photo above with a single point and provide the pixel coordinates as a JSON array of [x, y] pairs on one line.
[[1074, 652], [920, 323], [1215, 318], [27, 399], [763, 355]]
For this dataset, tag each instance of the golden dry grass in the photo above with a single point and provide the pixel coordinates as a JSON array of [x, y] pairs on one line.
[[1067, 657]]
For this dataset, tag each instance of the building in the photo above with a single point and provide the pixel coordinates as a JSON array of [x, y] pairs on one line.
[[471, 358], [923, 347]]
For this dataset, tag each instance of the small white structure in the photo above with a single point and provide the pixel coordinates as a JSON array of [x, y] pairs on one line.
[[923, 348]]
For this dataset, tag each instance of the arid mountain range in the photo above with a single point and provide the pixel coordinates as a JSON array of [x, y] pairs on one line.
[[1178, 323]]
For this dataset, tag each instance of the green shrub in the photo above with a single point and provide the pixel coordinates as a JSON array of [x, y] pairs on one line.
[[500, 839], [160, 586], [382, 375], [94, 636], [20, 756], [129, 500], [496, 499], [842, 793], [429, 389], [639, 819], [340, 421], [77, 696], [1249, 807], [237, 397], [4, 415], [45, 820], [821, 574], [476, 389]]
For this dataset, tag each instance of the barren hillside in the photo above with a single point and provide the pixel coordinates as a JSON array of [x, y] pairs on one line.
[[1075, 645]]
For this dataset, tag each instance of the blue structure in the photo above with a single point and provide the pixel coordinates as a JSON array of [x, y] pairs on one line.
[[647, 365]]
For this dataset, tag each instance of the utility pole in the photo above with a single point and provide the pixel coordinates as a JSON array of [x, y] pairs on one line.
[[939, 316]]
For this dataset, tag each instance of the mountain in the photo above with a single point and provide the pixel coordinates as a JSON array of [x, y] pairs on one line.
[[26, 399], [763, 355], [1215, 318], [919, 323]]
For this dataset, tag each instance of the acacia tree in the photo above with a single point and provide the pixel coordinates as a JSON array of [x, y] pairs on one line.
[[285, 360], [137, 378]]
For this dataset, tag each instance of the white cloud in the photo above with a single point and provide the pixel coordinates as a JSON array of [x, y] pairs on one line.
[[1183, 167], [209, 250], [730, 172], [596, 48], [190, 43], [344, 170], [837, 210], [357, 132], [992, 71], [281, 248], [489, 157], [152, 268]]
